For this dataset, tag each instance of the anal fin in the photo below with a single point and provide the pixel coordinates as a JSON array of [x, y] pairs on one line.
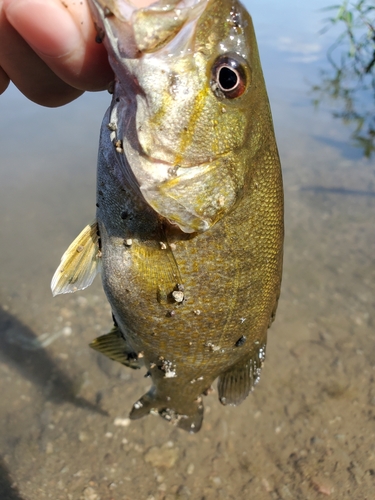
[[114, 346], [235, 384]]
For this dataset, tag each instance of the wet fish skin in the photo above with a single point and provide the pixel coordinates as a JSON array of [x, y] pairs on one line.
[[190, 205]]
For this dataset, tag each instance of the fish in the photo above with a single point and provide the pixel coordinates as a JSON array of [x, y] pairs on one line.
[[188, 234]]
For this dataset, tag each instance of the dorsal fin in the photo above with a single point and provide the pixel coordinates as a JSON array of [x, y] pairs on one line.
[[114, 346], [80, 263], [236, 383]]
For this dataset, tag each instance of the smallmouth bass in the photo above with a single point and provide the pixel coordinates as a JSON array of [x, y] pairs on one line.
[[188, 234]]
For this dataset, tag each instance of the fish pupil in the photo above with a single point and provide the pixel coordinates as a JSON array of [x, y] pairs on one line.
[[228, 78]]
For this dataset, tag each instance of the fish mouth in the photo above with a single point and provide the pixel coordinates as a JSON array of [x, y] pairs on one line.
[[124, 9], [132, 32]]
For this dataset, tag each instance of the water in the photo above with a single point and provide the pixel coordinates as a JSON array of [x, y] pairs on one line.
[[308, 429]]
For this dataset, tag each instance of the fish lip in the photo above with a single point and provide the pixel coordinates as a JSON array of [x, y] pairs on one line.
[[123, 10], [123, 28]]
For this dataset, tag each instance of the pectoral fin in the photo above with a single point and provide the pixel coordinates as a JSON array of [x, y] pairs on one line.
[[157, 263], [80, 263], [114, 346], [235, 384]]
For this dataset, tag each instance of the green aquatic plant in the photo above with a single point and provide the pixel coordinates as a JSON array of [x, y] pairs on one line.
[[350, 79]]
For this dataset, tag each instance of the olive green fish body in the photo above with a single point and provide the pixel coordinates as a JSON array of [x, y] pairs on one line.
[[190, 203]]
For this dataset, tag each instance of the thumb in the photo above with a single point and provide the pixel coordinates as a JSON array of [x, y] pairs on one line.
[[63, 35]]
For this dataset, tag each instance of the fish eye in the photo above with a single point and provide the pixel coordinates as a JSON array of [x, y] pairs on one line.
[[229, 76]]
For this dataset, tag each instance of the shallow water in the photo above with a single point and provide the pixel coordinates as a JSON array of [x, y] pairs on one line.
[[308, 430]]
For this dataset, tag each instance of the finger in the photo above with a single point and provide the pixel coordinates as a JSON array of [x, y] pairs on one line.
[[4, 81], [28, 72], [63, 35]]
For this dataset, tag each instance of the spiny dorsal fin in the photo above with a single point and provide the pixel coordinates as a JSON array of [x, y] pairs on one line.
[[235, 384], [80, 263], [114, 346]]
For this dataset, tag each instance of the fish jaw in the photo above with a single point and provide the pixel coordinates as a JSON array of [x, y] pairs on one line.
[[130, 32], [154, 82], [166, 114], [193, 198]]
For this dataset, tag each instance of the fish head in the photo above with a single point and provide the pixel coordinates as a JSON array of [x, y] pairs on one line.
[[189, 103]]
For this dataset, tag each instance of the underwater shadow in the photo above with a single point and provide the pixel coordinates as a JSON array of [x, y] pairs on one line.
[[35, 364], [7, 490]]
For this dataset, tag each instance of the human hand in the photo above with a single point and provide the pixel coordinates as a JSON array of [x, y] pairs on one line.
[[48, 50]]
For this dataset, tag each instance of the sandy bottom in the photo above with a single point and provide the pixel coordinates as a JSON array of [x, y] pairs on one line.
[[308, 430]]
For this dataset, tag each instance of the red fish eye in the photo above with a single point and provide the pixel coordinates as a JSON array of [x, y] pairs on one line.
[[229, 76]]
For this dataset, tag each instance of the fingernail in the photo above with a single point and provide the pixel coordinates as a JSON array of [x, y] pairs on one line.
[[45, 25]]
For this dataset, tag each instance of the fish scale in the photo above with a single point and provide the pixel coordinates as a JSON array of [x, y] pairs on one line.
[[189, 224]]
